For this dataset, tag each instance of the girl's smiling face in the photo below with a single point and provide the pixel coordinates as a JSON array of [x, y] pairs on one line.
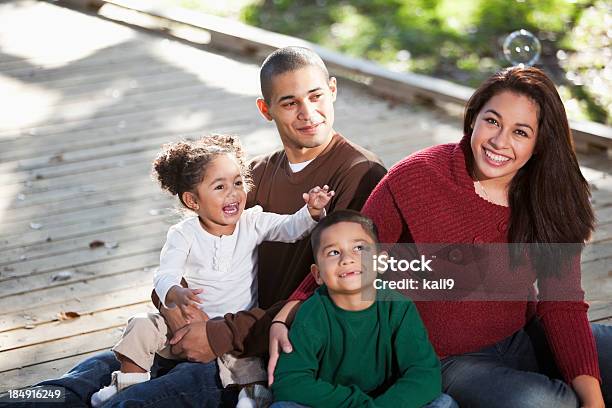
[[221, 196], [504, 136]]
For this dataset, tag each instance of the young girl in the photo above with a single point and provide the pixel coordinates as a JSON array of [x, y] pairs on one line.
[[215, 252], [513, 178]]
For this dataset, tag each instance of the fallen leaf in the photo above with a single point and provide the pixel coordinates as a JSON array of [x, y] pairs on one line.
[[57, 158], [62, 316], [96, 244]]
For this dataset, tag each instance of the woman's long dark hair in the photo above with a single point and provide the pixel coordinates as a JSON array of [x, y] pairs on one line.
[[548, 196]]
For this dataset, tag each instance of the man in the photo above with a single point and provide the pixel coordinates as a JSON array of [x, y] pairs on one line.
[[298, 95]]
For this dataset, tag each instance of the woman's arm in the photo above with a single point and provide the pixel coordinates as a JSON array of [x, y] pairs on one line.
[[589, 391], [563, 314]]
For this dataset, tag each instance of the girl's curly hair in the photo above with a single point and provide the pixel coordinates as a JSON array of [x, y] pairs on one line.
[[180, 166]]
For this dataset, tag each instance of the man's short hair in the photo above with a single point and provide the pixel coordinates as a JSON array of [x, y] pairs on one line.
[[337, 217], [287, 59]]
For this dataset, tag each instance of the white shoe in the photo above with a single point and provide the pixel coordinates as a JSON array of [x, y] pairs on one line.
[[119, 381], [254, 396]]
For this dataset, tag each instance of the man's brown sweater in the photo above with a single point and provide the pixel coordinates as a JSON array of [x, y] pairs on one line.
[[352, 172]]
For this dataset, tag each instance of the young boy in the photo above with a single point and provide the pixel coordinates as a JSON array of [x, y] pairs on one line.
[[354, 346]]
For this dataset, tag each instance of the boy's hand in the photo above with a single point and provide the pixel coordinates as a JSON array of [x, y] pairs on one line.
[[316, 200], [186, 300]]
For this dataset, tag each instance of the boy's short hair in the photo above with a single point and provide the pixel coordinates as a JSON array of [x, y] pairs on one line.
[[287, 59], [337, 217]]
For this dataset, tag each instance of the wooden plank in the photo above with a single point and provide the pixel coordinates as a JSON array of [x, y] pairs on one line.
[[74, 138], [597, 251], [116, 298], [51, 57], [146, 155], [19, 338], [91, 216], [55, 350], [157, 115], [86, 281], [46, 161], [99, 226], [606, 322], [94, 202], [49, 259], [600, 310], [113, 112], [20, 378]]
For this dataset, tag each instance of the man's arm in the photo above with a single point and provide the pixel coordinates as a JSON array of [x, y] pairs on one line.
[[245, 333]]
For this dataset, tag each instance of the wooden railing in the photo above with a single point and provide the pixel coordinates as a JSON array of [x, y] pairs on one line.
[[229, 35]]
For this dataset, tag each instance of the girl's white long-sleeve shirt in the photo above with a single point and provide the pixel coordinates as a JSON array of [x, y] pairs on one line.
[[224, 267]]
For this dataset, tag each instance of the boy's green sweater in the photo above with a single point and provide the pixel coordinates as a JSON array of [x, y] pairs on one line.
[[377, 357]]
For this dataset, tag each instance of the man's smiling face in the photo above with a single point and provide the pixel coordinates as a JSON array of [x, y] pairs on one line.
[[302, 106]]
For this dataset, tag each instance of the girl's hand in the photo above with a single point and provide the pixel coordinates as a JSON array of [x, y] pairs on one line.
[[186, 300], [316, 200]]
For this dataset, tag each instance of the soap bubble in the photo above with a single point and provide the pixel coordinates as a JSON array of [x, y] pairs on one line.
[[522, 48]]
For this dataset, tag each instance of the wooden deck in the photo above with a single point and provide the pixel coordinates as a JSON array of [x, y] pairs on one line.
[[85, 105]]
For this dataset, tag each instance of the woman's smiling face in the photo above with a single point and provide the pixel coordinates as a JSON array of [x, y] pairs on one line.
[[504, 136]]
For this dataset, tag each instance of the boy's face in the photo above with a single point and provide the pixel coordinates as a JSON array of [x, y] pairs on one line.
[[339, 258], [302, 106]]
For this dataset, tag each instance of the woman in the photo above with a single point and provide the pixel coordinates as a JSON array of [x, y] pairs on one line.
[[513, 178]]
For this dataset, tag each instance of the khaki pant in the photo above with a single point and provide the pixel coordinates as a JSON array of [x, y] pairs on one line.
[[147, 334]]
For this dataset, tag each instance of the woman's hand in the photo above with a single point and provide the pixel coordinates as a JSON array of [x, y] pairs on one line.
[[279, 338], [589, 391]]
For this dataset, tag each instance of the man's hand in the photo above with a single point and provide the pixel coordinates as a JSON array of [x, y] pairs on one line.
[[191, 342], [279, 339], [176, 320]]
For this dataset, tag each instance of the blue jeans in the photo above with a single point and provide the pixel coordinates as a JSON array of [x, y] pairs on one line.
[[520, 372], [443, 401], [182, 384]]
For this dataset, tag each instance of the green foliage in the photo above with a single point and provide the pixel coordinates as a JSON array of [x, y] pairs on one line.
[[459, 40]]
